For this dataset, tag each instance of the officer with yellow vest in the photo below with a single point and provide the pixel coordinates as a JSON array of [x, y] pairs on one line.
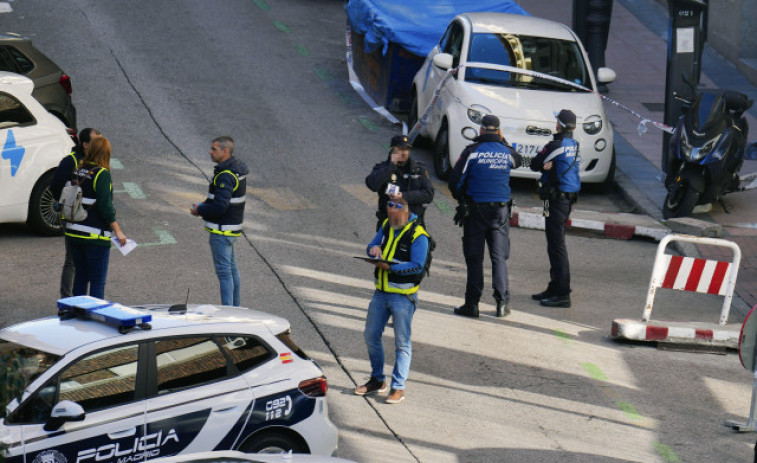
[[64, 173], [404, 242], [223, 212]]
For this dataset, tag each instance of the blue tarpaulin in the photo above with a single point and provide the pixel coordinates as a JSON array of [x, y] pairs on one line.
[[415, 25]]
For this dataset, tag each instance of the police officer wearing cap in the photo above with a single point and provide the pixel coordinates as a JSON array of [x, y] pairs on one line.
[[400, 177], [481, 181], [559, 163]]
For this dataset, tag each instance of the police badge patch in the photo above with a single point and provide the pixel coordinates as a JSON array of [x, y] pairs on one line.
[[50, 456]]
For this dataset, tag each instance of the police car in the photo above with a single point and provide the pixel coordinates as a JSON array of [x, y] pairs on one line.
[[33, 143], [102, 382]]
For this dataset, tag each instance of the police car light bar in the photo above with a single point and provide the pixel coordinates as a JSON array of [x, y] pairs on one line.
[[113, 314]]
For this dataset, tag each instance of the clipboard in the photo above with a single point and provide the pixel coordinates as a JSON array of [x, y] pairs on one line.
[[376, 260]]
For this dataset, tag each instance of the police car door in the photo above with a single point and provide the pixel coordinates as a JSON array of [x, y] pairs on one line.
[[199, 402], [106, 384]]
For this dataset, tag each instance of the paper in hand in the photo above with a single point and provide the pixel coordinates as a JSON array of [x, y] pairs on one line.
[[126, 248]]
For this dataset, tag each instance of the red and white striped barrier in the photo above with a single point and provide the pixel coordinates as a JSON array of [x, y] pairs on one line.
[[533, 219], [687, 274]]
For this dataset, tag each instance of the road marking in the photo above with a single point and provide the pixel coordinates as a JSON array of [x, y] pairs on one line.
[[164, 237], [362, 193], [263, 5], [116, 164], [594, 371], [665, 452], [443, 187], [5, 7], [444, 207], [302, 50], [283, 199], [132, 189], [281, 26], [629, 410], [323, 74], [365, 122]]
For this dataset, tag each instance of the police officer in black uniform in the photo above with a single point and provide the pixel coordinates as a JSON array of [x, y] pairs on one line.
[[481, 182], [559, 163], [400, 177]]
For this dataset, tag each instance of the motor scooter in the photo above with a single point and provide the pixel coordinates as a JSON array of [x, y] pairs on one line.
[[706, 151]]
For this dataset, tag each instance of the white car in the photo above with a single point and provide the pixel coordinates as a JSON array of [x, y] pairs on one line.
[[33, 143], [102, 382], [515, 67]]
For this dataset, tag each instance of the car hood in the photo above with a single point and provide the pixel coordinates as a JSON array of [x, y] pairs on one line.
[[534, 106]]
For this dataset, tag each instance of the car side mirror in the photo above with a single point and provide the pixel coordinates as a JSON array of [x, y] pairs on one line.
[[751, 151], [64, 411], [443, 60], [605, 75]]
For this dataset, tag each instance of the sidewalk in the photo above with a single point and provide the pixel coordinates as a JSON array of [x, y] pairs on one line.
[[637, 51]]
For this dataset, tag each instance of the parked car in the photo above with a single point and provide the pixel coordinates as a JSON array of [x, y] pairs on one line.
[[105, 382], [33, 143], [231, 456], [52, 86], [481, 44]]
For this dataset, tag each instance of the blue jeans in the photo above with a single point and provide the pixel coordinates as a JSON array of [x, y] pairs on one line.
[[91, 268], [225, 262], [401, 308]]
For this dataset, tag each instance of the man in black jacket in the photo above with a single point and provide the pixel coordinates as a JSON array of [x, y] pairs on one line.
[[400, 177], [64, 173]]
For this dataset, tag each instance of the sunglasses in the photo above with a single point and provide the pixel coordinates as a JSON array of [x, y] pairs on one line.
[[394, 205]]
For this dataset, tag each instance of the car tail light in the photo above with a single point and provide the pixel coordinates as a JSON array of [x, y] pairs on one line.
[[315, 387], [65, 82]]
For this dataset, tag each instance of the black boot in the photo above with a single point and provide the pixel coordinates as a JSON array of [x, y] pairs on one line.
[[502, 309], [542, 295], [467, 310], [556, 301]]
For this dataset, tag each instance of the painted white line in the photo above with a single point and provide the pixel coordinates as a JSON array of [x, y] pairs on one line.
[[5, 7]]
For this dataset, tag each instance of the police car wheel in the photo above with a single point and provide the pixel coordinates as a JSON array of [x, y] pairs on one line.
[[43, 218], [442, 166], [273, 443]]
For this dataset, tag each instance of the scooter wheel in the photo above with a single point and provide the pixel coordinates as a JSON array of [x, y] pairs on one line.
[[680, 202]]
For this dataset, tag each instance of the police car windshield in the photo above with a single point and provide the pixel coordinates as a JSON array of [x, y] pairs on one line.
[[556, 58], [19, 366]]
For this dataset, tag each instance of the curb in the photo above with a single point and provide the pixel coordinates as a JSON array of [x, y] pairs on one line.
[[620, 226], [709, 334]]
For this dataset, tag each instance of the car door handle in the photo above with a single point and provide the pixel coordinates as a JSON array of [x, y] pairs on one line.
[[121, 434], [225, 409]]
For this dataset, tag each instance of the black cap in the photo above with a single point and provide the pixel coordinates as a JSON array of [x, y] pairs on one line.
[[490, 122], [401, 140], [85, 135], [567, 119]]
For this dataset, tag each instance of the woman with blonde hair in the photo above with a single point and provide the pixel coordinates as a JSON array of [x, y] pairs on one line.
[[90, 239]]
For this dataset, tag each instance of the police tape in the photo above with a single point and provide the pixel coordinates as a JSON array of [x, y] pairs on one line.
[[643, 120], [423, 120]]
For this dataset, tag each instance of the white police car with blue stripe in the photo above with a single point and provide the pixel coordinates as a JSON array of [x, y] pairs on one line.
[[102, 382]]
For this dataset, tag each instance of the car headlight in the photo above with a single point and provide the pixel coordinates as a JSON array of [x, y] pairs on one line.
[[477, 112], [592, 124]]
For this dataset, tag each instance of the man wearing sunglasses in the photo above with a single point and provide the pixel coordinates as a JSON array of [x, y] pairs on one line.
[[403, 242], [400, 177], [481, 179]]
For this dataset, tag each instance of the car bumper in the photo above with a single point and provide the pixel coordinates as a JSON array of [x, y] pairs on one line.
[[595, 163], [318, 431]]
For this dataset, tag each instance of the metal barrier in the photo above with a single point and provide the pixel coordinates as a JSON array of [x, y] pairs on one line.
[[693, 274]]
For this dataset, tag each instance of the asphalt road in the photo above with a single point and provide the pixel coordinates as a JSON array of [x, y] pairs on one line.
[[161, 79]]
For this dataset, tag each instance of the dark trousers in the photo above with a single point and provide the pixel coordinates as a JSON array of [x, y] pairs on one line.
[[91, 264], [554, 227], [67, 275], [490, 225]]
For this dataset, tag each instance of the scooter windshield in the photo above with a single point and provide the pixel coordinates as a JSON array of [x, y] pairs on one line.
[[708, 115]]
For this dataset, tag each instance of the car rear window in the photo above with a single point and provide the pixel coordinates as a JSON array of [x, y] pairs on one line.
[[246, 352], [24, 64]]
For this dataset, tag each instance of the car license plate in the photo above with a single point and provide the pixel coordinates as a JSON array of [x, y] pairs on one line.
[[527, 150]]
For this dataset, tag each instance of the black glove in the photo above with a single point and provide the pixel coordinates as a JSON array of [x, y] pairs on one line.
[[463, 211]]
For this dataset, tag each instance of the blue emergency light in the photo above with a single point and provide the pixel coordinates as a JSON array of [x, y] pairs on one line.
[[113, 314]]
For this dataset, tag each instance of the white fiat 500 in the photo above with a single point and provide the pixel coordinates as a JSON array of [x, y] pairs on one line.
[[33, 143], [519, 68], [102, 382]]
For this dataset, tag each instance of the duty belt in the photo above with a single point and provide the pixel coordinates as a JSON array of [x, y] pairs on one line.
[[94, 233], [228, 230]]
